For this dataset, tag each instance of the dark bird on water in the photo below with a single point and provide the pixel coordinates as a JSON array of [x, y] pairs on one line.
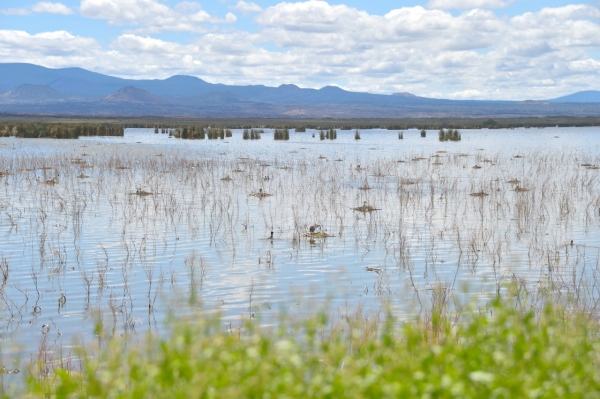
[[314, 227], [271, 236]]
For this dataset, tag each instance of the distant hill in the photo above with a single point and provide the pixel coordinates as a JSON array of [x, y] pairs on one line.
[[16, 74], [31, 93], [80, 82], [588, 96], [133, 94], [404, 94], [35, 89]]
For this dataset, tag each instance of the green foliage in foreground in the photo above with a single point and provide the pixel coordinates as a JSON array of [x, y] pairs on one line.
[[505, 353]]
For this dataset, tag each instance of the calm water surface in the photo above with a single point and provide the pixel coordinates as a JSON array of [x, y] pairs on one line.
[[127, 230]]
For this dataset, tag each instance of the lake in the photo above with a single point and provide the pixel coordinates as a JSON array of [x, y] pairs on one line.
[[122, 232]]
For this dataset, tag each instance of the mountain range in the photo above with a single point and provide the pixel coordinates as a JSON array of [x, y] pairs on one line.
[[33, 89]]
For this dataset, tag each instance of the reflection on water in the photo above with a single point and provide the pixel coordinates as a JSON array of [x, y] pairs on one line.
[[125, 230]]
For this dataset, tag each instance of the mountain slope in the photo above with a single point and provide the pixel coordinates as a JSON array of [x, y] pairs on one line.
[[31, 93], [587, 96], [16, 74], [133, 95]]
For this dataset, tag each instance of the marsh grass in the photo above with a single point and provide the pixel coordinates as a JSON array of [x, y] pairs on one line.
[[449, 135], [281, 134], [505, 349]]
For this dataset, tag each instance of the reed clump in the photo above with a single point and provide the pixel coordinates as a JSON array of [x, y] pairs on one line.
[[281, 134], [252, 134], [198, 132], [449, 135], [189, 133]]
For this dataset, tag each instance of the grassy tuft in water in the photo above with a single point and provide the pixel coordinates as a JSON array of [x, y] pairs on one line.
[[504, 350]]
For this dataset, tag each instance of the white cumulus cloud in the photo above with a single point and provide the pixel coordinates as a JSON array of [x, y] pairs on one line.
[[55, 48], [247, 7], [467, 4], [42, 7], [51, 8], [152, 15]]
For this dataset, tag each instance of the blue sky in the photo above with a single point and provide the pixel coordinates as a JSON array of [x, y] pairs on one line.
[[467, 49]]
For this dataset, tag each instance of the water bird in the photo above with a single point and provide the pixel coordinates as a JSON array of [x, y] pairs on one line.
[[314, 227], [62, 300], [571, 243], [270, 238]]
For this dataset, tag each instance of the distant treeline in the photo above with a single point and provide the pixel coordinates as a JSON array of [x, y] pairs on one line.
[[400, 124], [59, 130], [301, 125]]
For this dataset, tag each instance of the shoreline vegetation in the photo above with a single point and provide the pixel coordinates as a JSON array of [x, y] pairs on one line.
[[60, 130], [319, 123], [508, 348]]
